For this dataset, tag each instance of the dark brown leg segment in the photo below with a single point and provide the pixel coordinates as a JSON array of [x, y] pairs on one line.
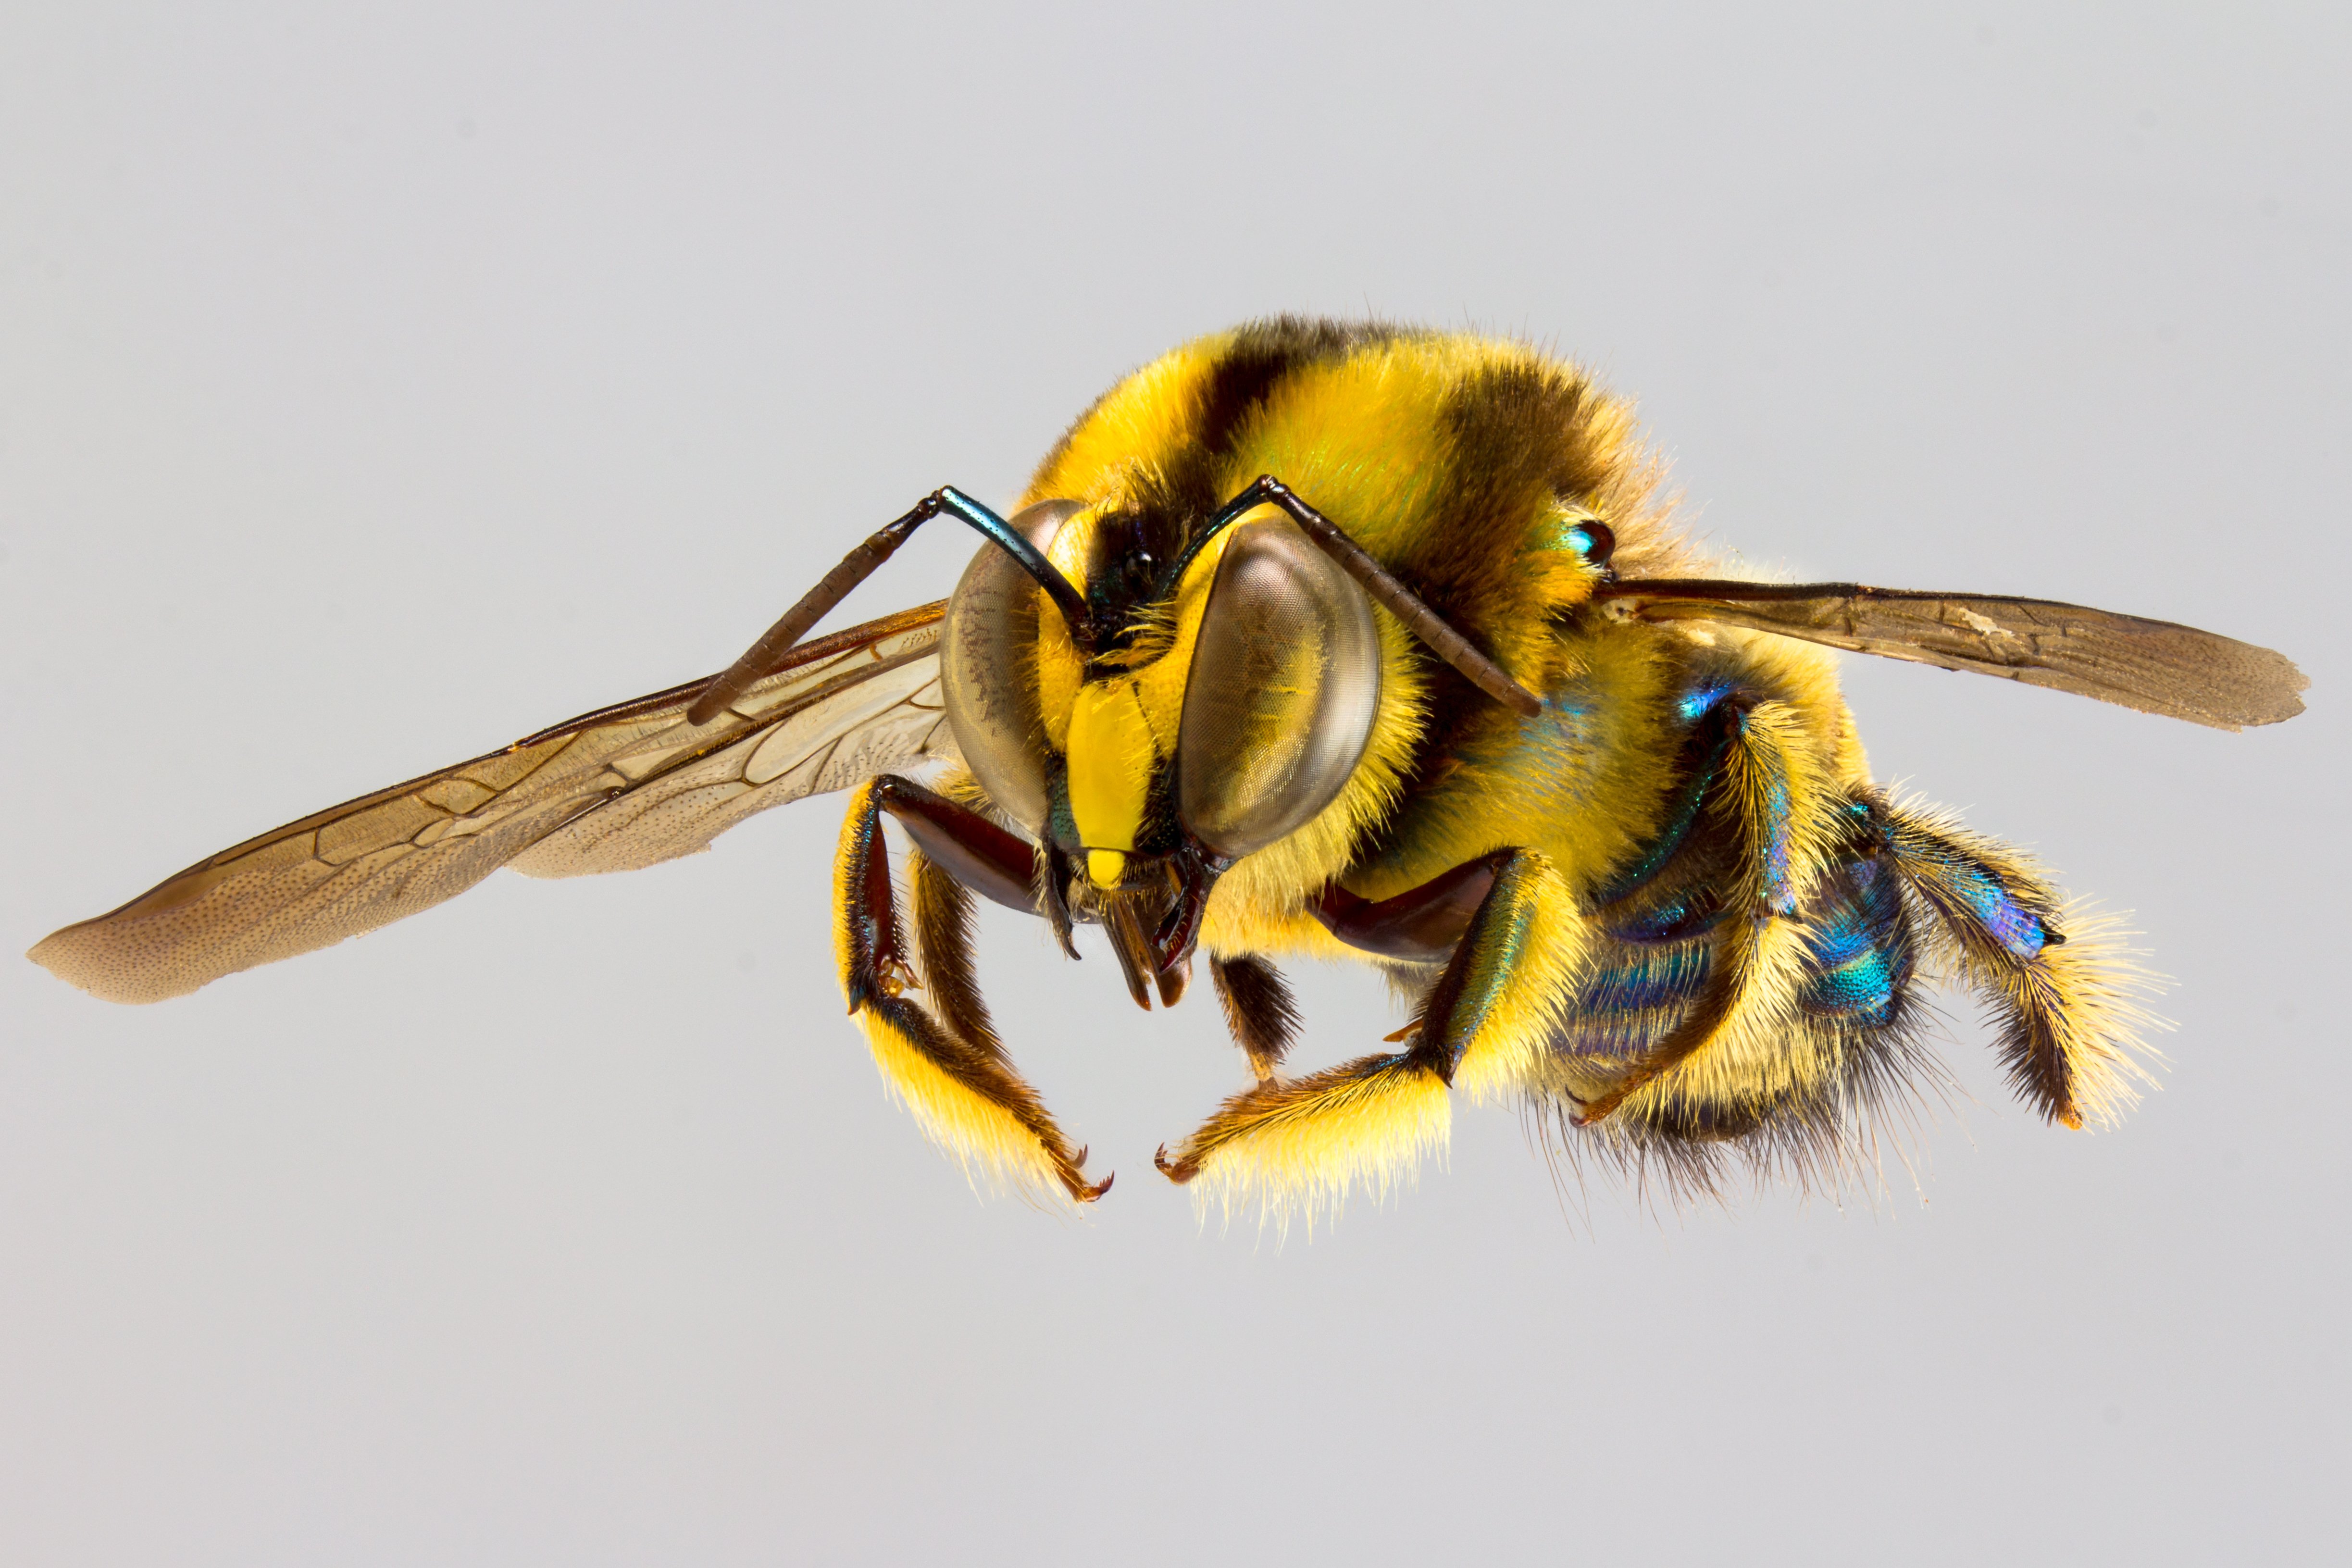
[[1422, 924], [1258, 1010]]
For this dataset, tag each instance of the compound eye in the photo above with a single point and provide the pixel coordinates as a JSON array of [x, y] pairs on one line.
[[1285, 685], [988, 669]]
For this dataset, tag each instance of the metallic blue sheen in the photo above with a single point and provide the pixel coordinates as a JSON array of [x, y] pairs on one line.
[[2012, 925], [1860, 960], [1776, 845], [1013, 543], [1700, 700], [1651, 979], [1573, 540], [1495, 954], [1864, 987], [1682, 815], [1677, 919]]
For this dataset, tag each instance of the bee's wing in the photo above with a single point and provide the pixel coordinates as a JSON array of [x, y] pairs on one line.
[[610, 791], [2153, 666]]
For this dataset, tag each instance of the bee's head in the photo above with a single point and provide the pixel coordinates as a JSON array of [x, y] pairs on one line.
[[1191, 723]]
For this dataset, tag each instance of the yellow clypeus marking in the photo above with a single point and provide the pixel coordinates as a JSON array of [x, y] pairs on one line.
[[1111, 757]]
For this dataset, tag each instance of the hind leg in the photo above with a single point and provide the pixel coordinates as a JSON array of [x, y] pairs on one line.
[[2064, 1009]]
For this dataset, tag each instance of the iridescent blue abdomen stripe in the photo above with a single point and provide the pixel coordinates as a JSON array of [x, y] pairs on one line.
[[1650, 980], [1635, 998]]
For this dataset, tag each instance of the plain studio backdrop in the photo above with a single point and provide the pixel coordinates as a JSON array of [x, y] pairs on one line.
[[376, 386]]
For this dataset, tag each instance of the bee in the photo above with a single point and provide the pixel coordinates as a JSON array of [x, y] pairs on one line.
[[1317, 641]]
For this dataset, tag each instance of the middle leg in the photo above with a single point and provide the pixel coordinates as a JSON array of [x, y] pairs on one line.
[[1482, 1027]]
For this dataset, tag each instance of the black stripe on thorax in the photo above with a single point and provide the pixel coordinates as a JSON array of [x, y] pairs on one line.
[[1512, 436], [1170, 502]]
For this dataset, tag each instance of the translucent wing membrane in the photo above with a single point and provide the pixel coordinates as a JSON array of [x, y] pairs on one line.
[[610, 791], [2153, 666]]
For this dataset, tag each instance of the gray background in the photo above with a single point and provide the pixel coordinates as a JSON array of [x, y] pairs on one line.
[[376, 386]]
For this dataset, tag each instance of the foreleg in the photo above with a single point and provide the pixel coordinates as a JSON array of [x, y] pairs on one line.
[[951, 1071]]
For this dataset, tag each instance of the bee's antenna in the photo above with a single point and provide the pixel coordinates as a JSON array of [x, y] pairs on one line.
[[760, 659], [1376, 580]]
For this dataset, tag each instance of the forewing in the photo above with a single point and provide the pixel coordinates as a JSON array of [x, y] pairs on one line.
[[622, 787], [2155, 666]]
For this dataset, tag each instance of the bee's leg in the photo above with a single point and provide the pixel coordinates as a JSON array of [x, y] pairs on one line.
[[971, 849], [1777, 797], [1420, 925], [1258, 1010], [2064, 1008], [960, 1085], [942, 920], [1483, 1026]]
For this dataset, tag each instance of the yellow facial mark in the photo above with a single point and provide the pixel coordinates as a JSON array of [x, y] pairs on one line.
[[1111, 755]]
